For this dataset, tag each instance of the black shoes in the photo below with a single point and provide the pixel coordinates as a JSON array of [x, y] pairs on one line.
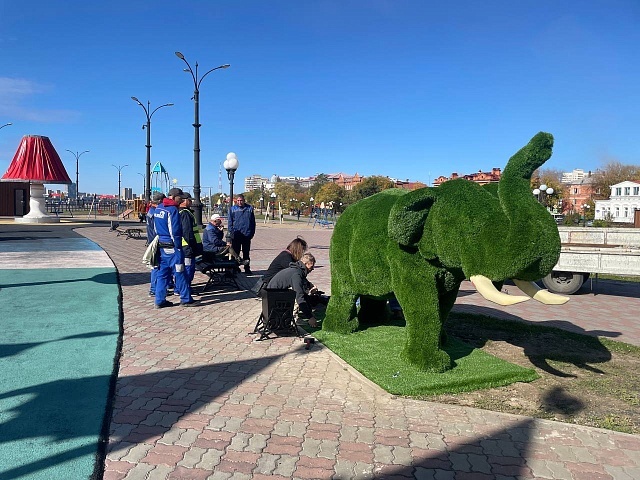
[[164, 304], [192, 303], [247, 270]]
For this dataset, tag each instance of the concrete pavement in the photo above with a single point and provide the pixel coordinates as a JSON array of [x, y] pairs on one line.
[[197, 398]]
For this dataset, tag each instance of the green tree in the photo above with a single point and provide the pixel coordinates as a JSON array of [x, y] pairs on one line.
[[552, 178], [369, 186], [331, 192], [321, 179], [285, 192]]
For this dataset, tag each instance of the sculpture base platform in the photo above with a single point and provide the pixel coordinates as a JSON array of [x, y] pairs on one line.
[[27, 219]]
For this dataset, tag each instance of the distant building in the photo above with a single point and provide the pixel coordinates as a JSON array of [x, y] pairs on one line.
[[345, 180], [578, 193], [623, 202], [254, 182], [127, 193], [481, 177], [575, 176]]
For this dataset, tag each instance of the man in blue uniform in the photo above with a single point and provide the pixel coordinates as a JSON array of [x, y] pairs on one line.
[[151, 234], [241, 229], [169, 229]]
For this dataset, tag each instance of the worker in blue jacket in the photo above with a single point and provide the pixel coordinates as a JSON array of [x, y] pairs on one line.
[[241, 228], [151, 234], [169, 229]]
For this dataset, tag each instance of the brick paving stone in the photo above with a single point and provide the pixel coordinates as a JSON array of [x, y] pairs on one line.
[[189, 374]]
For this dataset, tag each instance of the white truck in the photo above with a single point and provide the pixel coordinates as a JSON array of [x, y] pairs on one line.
[[589, 250]]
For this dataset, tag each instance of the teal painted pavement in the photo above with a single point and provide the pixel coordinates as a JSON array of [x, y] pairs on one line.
[[60, 331]]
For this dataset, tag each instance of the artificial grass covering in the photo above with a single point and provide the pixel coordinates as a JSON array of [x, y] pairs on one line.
[[374, 352]]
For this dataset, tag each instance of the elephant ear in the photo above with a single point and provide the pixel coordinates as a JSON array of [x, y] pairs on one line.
[[408, 214]]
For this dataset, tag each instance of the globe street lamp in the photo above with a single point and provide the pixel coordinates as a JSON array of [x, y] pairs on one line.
[[148, 113], [77, 155], [542, 192], [231, 164], [273, 203], [585, 208], [312, 206], [197, 206], [119, 168]]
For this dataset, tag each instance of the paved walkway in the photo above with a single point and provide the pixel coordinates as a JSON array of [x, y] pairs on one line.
[[197, 398]]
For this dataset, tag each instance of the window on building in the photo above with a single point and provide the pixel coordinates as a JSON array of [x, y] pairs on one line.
[[575, 191], [618, 191], [636, 190], [626, 211], [617, 211], [627, 191]]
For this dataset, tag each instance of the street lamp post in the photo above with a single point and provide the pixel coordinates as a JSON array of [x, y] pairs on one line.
[[273, 203], [197, 206], [77, 155], [261, 197], [312, 206], [6, 125], [144, 184], [119, 168], [542, 193], [149, 114], [585, 208], [231, 164]]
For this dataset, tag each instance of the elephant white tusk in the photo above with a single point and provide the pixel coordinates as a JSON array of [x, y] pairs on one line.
[[491, 293], [543, 296]]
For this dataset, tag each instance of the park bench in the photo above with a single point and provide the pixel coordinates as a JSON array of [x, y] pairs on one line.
[[220, 269], [277, 314]]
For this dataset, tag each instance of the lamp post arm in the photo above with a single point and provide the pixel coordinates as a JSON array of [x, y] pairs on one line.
[[158, 108], [216, 68], [189, 69]]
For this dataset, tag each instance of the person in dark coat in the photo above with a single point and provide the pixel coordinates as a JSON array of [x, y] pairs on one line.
[[191, 240], [241, 228], [292, 253], [295, 277]]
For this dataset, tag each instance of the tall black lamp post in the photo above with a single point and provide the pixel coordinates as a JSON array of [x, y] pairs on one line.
[[119, 168], [149, 114], [231, 164], [6, 125], [197, 206], [77, 155]]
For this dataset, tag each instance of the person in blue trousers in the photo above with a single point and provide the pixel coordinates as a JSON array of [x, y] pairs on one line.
[[151, 234], [241, 228], [168, 227], [191, 239]]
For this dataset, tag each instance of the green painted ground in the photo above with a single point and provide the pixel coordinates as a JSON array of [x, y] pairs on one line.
[[60, 332]]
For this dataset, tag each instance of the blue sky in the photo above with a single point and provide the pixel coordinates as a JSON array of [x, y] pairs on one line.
[[404, 88]]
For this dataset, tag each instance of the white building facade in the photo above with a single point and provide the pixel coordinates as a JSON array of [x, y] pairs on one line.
[[624, 200]]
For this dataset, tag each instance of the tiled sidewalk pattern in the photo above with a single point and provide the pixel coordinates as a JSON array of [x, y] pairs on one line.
[[197, 398]]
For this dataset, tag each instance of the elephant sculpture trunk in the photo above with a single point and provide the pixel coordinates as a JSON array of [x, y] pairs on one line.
[[434, 239]]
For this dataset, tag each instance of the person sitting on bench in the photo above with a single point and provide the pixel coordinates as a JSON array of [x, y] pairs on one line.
[[295, 277], [213, 244]]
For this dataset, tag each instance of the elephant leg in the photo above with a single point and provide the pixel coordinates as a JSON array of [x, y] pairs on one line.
[[418, 295], [340, 316], [372, 311]]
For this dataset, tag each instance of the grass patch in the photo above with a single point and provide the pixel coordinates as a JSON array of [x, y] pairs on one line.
[[375, 352]]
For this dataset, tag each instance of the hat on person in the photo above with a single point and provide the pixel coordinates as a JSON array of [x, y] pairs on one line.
[[157, 197], [186, 196], [214, 217], [176, 192]]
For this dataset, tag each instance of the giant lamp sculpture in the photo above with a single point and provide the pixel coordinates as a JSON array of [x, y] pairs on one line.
[[231, 164], [149, 114], [77, 155], [36, 162], [197, 206]]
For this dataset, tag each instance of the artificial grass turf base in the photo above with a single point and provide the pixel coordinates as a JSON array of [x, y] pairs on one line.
[[375, 352]]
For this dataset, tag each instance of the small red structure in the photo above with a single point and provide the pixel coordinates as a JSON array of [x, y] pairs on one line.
[[37, 162]]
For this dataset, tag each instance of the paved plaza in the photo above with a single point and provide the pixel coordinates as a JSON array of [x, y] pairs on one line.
[[198, 398]]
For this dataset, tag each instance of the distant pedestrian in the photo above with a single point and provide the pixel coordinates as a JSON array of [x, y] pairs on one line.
[[191, 239], [241, 229]]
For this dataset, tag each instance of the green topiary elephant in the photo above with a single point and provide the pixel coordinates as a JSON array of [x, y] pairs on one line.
[[421, 245]]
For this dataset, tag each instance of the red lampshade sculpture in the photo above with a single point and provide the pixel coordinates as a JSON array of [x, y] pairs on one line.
[[37, 162]]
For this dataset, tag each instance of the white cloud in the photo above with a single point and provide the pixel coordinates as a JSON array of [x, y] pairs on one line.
[[13, 95]]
